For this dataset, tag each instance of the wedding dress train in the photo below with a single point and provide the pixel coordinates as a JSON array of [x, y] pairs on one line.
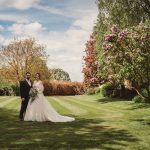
[[40, 109]]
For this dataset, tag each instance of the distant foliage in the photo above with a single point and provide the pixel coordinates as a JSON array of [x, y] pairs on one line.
[[63, 88], [4, 82], [6, 91], [5, 87], [138, 99], [16, 90], [107, 90], [90, 91], [59, 74], [93, 90]]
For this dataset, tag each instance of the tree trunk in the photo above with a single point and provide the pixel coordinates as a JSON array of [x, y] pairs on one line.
[[146, 98]]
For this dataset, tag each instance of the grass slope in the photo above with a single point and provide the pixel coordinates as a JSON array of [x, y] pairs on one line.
[[101, 124]]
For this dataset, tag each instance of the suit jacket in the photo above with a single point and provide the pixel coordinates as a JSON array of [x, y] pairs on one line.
[[25, 88]]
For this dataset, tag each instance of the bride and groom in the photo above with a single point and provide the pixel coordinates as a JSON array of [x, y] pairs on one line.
[[40, 109]]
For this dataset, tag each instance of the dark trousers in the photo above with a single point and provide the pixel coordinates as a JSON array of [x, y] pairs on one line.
[[23, 108]]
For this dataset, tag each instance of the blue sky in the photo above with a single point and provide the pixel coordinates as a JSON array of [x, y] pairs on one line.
[[63, 26]]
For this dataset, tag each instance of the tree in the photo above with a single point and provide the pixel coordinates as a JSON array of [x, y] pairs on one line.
[[40, 66], [90, 63], [58, 74], [4, 82], [20, 56], [127, 55], [124, 13]]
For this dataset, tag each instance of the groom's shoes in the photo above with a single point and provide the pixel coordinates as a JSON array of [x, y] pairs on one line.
[[21, 119]]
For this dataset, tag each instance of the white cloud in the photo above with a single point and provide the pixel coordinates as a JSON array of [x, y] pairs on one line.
[[86, 22], [15, 18], [19, 4], [68, 11], [1, 28], [31, 29], [1, 40], [51, 10], [66, 48]]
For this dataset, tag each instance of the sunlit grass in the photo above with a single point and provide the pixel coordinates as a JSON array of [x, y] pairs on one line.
[[102, 124]]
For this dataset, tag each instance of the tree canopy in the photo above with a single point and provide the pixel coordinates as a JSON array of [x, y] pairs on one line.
[[59, 74], [20, 56]]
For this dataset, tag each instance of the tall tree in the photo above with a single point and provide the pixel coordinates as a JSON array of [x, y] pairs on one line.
[[124, 13], [90, 63], [20, 56], [121, 12]]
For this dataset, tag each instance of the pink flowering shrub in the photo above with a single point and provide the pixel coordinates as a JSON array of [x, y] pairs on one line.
[[127, 53]]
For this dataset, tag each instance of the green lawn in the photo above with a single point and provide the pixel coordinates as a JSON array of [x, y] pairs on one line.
[[101, 124]]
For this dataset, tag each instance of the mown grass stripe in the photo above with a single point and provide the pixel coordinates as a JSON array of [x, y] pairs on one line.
[[71, 102], [14, 104], [57, 106], [92, 109], [98, 109], [3, 98], [74, 109], [81, 103], [89, 98], [82, 106], [9, 100], [116, 108]]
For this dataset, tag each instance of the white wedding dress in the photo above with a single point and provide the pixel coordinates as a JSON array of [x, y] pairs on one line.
[[40, 109]]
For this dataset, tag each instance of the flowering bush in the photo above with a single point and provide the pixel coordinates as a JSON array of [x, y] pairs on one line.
[[63, 88], [127, 53], [33, 93]]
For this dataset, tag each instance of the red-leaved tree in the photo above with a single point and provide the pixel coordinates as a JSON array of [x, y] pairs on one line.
[[90, 63]]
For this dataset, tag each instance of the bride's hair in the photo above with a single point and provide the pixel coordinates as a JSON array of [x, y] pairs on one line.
[[39, 75]]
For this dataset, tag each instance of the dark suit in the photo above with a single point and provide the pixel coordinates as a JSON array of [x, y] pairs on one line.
[[24, 92]]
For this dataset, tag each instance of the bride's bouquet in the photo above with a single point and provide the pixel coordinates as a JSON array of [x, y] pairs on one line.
[[33, 93]]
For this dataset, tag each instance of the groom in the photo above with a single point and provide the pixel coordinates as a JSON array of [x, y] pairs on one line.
[[25, 86]]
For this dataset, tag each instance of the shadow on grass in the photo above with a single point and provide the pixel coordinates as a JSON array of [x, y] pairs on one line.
[[80, 134], [139, 106], [142, 121], [132, 104], [108, 100]]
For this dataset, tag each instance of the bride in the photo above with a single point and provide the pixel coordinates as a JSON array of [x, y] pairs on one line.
[[40, 109]]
